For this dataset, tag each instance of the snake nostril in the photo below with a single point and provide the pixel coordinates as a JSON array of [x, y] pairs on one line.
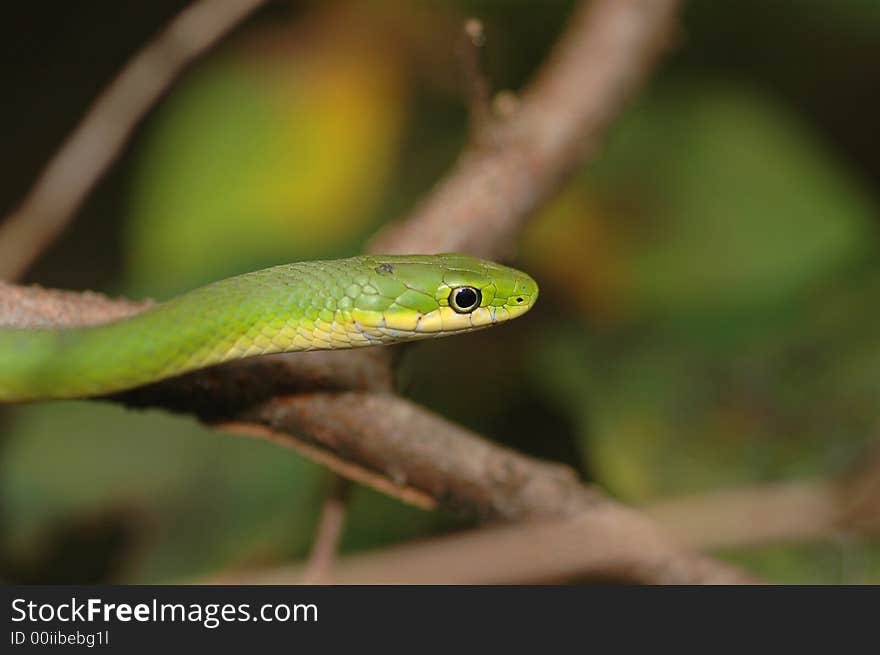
[[519, 299]]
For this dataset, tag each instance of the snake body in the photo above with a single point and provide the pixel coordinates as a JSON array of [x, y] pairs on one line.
[[317, 305]]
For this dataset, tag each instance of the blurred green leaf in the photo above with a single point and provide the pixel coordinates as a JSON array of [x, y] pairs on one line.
[[708, 198], [205, 501], [268, 154], [736, 339]]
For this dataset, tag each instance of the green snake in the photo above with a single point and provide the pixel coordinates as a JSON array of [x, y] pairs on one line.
[[316, 305]]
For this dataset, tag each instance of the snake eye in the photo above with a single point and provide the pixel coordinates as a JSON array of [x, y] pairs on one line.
[[464, 300]]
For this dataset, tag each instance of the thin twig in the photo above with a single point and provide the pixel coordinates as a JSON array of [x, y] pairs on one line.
[[477, 86], [94, 145], [341, 466], [607, 50], [328, 533]]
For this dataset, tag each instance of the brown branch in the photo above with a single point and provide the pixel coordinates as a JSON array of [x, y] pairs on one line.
[[607, 50], [778, 513], [94, 145], [606, 542], [34, 307], [413, 446], [477, 86], [765, 514], [328, 533]]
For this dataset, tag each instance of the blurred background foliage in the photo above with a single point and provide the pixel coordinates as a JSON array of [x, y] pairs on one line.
[[708, 316]]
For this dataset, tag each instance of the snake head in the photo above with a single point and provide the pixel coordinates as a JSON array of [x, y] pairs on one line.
[[417, 296]]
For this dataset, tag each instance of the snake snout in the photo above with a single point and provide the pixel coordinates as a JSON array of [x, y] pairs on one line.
[[524, 296]]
